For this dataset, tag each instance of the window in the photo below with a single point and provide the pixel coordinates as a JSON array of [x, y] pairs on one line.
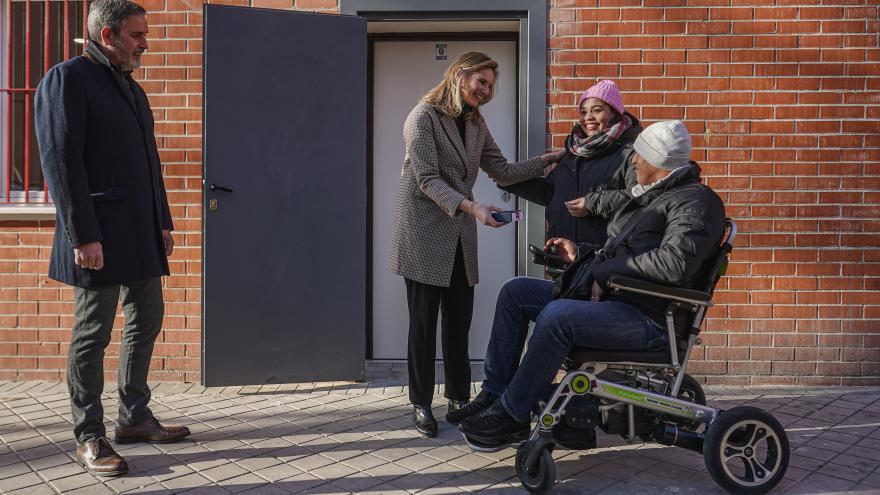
[[33, 39]]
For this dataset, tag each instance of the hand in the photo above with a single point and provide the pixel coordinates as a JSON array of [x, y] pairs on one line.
[[597, 293], [577, 207], [169, 242], [565, 248], [483, 213], [553, 157], [89, 255]]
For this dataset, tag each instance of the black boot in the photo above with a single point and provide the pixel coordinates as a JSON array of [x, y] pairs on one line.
[[424, 421], [480, 402]]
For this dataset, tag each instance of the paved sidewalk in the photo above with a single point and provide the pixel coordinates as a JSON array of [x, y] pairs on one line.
[[355, 438]]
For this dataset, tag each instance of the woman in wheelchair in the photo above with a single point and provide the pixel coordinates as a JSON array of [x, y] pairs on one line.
[[611, 316]]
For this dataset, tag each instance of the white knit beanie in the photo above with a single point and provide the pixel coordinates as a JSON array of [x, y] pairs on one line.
[[665, 145]]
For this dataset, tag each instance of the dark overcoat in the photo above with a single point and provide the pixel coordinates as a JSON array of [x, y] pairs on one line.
[[102, 168]]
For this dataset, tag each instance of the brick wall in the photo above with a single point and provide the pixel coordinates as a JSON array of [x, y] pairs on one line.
[[784, 105]]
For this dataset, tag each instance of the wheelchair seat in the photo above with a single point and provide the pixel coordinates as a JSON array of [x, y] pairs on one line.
[[590, 355]]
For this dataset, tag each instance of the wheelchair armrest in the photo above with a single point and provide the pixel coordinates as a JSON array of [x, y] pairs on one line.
[[666, 292]]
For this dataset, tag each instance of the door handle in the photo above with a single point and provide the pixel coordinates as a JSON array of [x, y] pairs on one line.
[[215, 187]]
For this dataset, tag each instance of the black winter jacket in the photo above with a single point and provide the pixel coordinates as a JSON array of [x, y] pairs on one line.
[[672, 242], [577, 177]]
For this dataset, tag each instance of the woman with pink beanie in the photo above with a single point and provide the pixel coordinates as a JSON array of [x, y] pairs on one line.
[[599, 147]]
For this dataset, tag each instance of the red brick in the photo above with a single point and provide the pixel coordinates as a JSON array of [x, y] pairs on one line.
[[793, 368], [316, 4], [795, 339], [642, 14], [576, 28], [820, 12], [754, 27], [687, 14], [750, 311], [848, 27], [772, 326], [736, 13], [751, 340], [838, 369], [17, 363], [692, 42], [619, 28], [862, 40], [749, 367], [587, 15]]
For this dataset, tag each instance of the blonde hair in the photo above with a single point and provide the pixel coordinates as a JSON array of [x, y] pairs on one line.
[[446, 96]]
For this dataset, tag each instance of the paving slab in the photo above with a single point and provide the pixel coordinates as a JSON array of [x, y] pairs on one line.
[[339, 437]]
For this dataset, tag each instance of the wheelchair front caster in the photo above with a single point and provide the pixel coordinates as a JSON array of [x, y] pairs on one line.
[[539, 477], [746, 451]]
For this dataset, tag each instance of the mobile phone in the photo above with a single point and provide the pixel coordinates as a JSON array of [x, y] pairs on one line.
[[507, 216]]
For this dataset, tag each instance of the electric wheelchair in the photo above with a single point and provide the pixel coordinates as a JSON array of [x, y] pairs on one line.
[[648, 396]]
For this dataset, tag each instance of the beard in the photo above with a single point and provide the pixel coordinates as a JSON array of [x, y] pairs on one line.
[[127, 61]]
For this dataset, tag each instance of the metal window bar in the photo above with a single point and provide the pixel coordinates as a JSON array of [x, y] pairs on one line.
[[26, 62]]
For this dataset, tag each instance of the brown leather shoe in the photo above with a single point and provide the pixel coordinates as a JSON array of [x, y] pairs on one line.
[[150, 431], [99, 458]]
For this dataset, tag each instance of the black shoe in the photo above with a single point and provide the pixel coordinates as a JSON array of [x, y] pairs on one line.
[[424, 421], [480, 402], [494, 427], [455, 405]]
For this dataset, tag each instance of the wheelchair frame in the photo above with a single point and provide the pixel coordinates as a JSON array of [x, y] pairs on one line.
[[535, 465], [581, 382]]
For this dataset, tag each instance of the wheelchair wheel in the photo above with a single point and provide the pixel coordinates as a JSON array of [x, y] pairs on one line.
[[690, 391], [746, 451], [540, 478]]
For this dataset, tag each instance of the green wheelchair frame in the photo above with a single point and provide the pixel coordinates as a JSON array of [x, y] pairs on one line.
[[745, 449]]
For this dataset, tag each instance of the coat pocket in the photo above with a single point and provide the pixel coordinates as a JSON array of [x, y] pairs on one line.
[[112, 194]]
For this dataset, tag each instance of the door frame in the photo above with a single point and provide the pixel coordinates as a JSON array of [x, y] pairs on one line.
[[531, 100], [372, 38]]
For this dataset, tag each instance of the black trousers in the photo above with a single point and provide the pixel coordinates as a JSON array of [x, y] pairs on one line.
[[457, 305], [143, 307]]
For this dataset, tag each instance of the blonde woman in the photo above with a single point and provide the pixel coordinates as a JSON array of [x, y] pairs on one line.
[[434, 245]]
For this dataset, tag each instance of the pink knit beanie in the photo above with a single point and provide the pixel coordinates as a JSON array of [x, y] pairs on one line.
[[606, 91]]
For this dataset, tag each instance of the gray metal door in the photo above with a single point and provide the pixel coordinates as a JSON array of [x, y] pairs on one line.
[[284, 239]]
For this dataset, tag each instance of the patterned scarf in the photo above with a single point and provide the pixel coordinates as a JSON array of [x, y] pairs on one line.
[[577, 143], [638, 189]]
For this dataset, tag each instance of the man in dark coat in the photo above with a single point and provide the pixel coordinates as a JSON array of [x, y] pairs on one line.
[[665, 234], [113, 227]]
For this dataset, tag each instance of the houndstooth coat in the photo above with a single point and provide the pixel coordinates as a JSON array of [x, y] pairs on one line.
[[438, 173]]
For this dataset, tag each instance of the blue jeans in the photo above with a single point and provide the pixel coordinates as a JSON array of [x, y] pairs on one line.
[[559, 325]]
